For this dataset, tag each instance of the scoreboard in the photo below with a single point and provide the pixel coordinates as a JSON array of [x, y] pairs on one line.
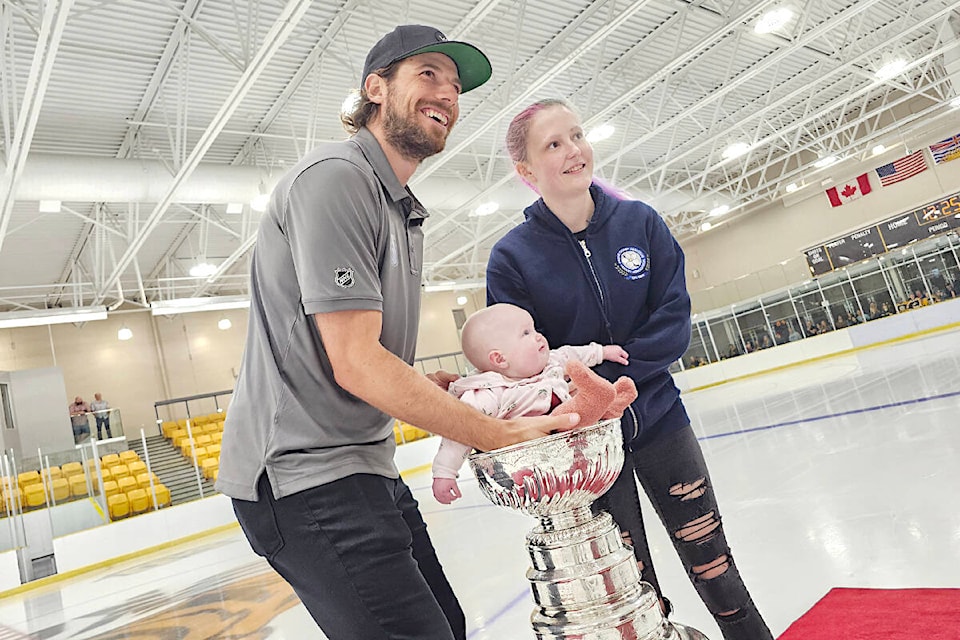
[[929, 220]]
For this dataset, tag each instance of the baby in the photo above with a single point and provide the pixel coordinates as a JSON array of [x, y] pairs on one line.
[[519, 375]]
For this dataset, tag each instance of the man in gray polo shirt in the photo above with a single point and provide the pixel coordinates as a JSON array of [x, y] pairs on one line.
[[335, 295]]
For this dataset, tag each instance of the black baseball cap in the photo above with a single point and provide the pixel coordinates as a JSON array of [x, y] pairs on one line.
[[412, 39]]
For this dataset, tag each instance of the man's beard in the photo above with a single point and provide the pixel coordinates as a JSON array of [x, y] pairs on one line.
[[405, 134]]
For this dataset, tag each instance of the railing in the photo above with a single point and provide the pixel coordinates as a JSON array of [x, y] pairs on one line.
[[106, 421]]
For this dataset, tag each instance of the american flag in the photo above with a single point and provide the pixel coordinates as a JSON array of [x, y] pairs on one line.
[[905, 167], [946, 150]]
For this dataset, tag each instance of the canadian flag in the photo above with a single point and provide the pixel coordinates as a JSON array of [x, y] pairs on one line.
[[850, 191]]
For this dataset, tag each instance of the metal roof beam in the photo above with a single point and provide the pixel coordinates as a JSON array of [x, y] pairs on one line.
[[48, 44], [287, 21]]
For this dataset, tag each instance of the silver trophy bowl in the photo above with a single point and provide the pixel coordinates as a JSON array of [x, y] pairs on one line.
[[584, 579], [557, 474]]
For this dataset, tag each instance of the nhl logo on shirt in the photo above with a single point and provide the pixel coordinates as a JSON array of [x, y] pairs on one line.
[[632, 263], [344, 277]]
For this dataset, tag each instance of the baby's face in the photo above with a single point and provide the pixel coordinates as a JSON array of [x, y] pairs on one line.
[[525, 350]]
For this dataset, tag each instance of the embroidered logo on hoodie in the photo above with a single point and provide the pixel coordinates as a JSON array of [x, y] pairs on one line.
[[632, 263]]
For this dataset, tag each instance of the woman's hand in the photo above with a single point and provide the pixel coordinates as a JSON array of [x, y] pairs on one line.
[[616, 353]]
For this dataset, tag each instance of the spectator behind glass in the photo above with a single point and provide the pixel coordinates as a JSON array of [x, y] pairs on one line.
[[79, 421], [519, 375], [635, 295], [101, 412]]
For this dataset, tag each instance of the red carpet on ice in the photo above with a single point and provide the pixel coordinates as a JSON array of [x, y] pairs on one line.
[[881, 614]]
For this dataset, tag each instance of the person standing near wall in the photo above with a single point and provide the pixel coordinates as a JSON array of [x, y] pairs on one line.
[[79, 420], [308, 442], [101, 412]]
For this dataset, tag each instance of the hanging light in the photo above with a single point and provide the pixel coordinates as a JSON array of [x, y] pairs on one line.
[[203, 270], [461, 300], [224, 324], [124, 333]]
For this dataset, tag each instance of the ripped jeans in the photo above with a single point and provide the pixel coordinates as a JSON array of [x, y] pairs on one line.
[[672, 471]]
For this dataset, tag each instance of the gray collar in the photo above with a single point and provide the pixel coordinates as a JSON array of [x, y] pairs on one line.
[[373, 152]]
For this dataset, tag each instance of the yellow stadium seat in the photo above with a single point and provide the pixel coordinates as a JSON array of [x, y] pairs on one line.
[[204, 440], [78, 485], [143, 480], [12, 496], [162, 494], [60, 489], [185, 446], [201, 453], [110, 459], [217, 437], [110, 488], [128, 456], [118, 506], [182, 422], [209, 466], [52, 472], [138, 500], [137, 467], [126, 483], [118, 471], [213, 450], [33, 495], [28, 477], [178, 433], [72, 468], [166, 428]]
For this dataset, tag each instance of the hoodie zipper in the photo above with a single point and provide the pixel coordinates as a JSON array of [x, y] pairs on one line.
[[587, 254], [596, 280]]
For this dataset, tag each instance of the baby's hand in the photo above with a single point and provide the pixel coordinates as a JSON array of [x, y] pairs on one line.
[[445, 490], [616, 353]]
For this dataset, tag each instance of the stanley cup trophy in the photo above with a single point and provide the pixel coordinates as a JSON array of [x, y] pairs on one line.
[[585, 581]]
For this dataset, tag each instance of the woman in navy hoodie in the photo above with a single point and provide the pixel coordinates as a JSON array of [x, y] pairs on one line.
[[590, 265]]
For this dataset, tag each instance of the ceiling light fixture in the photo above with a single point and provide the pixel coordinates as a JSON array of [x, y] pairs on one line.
[[719, 210], [224, 324], [191, 305], [41, 317], [792, 187], [50, 206], [877, 150], [260, 202], [124, 333], [773, 20], [736, 150], [706, 226], [486, 208], [600, 132], [454, 285], [234, 208], [203, 270], [826, 162], [955, 103], [891, 69], [461, 300]]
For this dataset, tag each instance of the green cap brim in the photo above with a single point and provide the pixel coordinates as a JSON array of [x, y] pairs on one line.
[[473, 67]]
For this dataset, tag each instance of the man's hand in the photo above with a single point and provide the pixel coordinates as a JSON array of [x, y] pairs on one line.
[[442, 378], [522, 429], [616, 353], [446, 490]]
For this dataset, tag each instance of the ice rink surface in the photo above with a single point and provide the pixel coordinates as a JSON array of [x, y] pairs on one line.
[[841, 472]]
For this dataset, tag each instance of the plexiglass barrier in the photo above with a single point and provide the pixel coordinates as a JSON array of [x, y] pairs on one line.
[[918, 275]]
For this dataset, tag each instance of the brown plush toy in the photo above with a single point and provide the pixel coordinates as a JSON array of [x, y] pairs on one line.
[[596, 399]]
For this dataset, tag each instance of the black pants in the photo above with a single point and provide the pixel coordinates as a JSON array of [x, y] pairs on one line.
[[673, 473], [357, 553]]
